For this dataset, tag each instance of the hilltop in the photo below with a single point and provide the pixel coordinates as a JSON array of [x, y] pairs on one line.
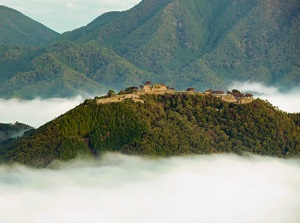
[[159, 125], [18, 29], [136, 94]]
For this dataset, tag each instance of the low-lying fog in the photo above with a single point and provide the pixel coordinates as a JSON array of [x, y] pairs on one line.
[[35, 112], [118, 188], [287, 101]]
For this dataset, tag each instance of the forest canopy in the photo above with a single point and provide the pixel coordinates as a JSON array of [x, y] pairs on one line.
[[162, 126]]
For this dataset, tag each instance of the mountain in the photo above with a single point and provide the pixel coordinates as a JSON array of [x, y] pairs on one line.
[[64, 69], [18, 29], [204, 44], [160, 126]]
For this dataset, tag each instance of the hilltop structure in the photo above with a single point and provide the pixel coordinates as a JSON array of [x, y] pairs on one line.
[[133, 93], [156, 89]]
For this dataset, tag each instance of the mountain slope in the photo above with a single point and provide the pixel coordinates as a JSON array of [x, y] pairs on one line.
[[182, 43], [205, 43], [18, 29], [65, 69], [164, 125]]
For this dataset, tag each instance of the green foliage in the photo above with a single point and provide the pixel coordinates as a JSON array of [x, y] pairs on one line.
[[130, 90], [110, 93], [165, 125], [296, 118], [204, 44], [53, 72]]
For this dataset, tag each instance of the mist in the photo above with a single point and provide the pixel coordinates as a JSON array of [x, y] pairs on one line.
[[287, 101], [35, 112], [118, 188]]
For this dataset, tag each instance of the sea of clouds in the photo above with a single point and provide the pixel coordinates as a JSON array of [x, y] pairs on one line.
[[287, 101], [121, 189], [118, 188], [35, 112]]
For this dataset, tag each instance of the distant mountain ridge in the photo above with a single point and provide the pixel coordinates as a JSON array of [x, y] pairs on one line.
[[204, 44], [18, 29]]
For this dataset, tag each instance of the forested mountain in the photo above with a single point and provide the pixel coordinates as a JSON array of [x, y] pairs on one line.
[[205, 44], [164, 125], [64, 69], [18, 29]]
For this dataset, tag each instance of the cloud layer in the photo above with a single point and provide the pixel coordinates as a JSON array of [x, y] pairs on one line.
[[67, 15], [287, 101], [35, 112], [130, 189]]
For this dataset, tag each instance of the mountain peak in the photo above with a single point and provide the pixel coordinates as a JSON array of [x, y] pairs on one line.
[[18, 29]]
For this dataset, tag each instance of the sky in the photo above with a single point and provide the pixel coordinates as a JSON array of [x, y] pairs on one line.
[[127, 189], [67, 15]]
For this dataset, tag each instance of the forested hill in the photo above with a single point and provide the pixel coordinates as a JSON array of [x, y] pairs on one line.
[[18, 29], [163, 125], [207, 43]]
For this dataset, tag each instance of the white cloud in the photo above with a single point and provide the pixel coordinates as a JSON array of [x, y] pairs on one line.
[[287, 101], [67, 15], [35, 112], [130, 189]]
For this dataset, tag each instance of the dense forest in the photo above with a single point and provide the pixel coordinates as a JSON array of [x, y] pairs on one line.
[[162, 126], [208, 43]]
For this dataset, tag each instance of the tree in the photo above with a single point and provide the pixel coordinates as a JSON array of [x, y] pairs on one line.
[[148, 83], [110, 93], [130, 90], [191, 89], [235, 91]]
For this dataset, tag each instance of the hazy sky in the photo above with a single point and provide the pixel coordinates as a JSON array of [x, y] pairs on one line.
[[117, 188], [66, 15]]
